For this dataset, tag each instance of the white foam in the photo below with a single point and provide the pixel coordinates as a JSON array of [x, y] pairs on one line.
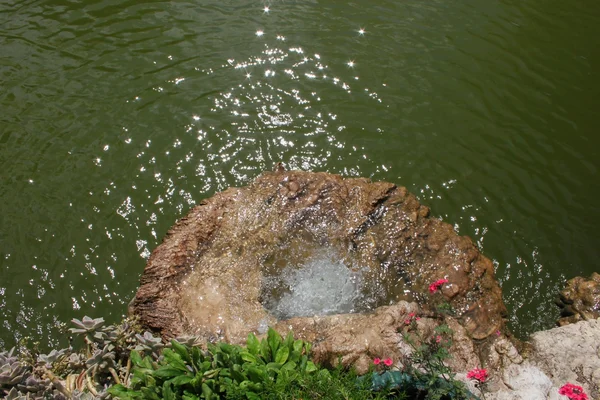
[[322, 285]]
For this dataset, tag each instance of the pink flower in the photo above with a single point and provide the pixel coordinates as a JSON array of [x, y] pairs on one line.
[[377, 361], [388, 362], [436, 285], [480, 375], [438, 338], [573, 392]]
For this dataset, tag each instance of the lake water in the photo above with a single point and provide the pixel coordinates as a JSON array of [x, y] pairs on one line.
[[116, 117]]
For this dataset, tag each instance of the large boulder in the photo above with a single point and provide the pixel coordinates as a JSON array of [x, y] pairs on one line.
[[567, 354], [220, 273], [580, 300]]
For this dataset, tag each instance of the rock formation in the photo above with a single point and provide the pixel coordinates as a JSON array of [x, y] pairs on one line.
[[569, 353], [580, 300], [208, 276], [220, 273]]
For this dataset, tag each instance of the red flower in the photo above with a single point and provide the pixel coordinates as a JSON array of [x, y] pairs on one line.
[[480, 375], [388, 362], [438, 338], [573, 392], [377, 361], [436, 285]]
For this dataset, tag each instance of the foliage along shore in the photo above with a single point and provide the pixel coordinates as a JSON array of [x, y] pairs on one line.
[[121, 362]]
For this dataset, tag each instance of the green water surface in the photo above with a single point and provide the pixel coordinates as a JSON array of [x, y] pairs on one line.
[[116, 117]]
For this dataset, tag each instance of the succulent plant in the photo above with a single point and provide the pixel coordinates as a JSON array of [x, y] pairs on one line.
[[77, 395], [148, 343], [90, 328], [102, 359], [12, 371], [189, 341], [56, 395], [14, 394], [7, 357], [87, 324], [76, 361], [34, 385], [49, 359]]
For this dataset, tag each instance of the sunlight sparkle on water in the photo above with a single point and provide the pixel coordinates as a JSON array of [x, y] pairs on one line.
[[259, 33], [361, 31], [351, 64], [266, 9]]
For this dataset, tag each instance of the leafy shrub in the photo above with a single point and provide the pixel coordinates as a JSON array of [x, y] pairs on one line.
[[188, 373]]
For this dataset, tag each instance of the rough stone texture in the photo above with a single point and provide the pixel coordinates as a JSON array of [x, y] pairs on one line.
[[580, 300], [570, 353], [555, 357], [205, 278], [356, 339], [525, 382]]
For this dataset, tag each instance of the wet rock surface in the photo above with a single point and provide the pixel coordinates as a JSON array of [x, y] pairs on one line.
[[555, 357], [208, 276], [221, 273], [580, 300]]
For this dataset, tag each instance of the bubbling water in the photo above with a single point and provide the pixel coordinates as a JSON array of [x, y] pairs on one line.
[[307, 278], [322, 285]]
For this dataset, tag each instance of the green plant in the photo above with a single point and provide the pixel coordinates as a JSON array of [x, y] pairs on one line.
[[188, 373], [425, 373]]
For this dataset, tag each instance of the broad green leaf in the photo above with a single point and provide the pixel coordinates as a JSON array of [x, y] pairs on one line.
[[206, 365], [206, 391], [211, 373], [174, 360], [246, 356], [190, 397], [182, 350], [135, 358], [310, 367], [256, 374], [298, 344], [167, 372], [147, 363], [238, 376], [197, 357], [181, 380], [121, 392], [289, 341], [282, 355], [289, 366], [252, 344], [274, 340], [307, 347], [265, 351], [150, 381], [167, 392], [252, 396], [274, 366], [226, 348], [294, 356], [303, 361], [324, 374], [149, 394]]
